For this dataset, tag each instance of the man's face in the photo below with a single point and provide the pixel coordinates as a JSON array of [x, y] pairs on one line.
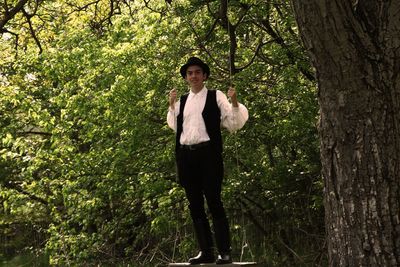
[[195, 76]]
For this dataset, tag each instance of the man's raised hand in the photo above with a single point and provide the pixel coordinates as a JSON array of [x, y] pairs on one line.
[[232, 95], [172, 98]]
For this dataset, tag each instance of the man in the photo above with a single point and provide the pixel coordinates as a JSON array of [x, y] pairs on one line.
[[196, 119]]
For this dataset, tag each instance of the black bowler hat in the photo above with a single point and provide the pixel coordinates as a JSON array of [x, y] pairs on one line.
[[195, 61]]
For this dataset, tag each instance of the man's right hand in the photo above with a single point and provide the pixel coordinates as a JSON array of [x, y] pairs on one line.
[[172, 98]]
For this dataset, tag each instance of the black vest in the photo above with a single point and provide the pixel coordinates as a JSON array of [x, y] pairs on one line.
[[211, 116]]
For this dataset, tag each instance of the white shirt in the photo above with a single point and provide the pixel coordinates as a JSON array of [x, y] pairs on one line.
[[194, 129]]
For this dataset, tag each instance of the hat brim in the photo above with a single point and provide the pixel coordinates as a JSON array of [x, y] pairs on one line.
[[203, 66]]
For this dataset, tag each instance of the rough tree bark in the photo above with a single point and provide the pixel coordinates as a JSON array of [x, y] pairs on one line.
[[355, 49]]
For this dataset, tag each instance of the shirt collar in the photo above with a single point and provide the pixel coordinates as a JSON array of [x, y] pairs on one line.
[[201, 93]]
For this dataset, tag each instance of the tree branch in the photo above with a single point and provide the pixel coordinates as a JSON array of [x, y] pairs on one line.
[[147, 5], [33, 33], [20, 190], [253, 201], [266, 26], [251, 217], [84, 7], [211, 30], [13, 33], [260, 45], [231, 30], [9, 14], [34, 133]]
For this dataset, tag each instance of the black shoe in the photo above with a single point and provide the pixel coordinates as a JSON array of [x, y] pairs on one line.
[[203, 257], [224, 258]]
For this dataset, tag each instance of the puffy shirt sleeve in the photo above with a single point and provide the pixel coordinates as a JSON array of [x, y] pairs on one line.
[[232, 118], [172, 116]]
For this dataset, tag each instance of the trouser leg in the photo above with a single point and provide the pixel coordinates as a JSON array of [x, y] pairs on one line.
[[212, 191], [199, 217], [201, 226], [201, 175], [220, 221], [203, 235], [222, 235]]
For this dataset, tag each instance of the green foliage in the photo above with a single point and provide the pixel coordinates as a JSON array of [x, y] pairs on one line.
[[86, 157]]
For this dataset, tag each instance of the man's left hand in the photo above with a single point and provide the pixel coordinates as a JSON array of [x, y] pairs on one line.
[[232, 95]]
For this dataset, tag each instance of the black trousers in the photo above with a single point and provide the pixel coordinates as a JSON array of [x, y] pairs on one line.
[[200, 172]]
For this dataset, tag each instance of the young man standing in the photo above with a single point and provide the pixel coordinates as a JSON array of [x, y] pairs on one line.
[[197, 118]]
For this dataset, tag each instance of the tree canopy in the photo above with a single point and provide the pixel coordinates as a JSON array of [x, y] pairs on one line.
[[87, 168]]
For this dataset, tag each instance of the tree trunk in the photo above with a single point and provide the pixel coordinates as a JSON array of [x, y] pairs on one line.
[[355, 49]]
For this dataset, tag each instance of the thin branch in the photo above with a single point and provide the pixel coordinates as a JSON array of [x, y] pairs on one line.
[[146, 3], [246, 8], [231, 30], [19, 189], [266, 26], [9, 14], [37, 3], [290, 249], [128, 4], [5, 6], [33, 33], [84, 7], [211, 29], [111, 12], [254, 202], [260, 45], [280, 13], [251, 217], [34, 133], [16, 37]]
